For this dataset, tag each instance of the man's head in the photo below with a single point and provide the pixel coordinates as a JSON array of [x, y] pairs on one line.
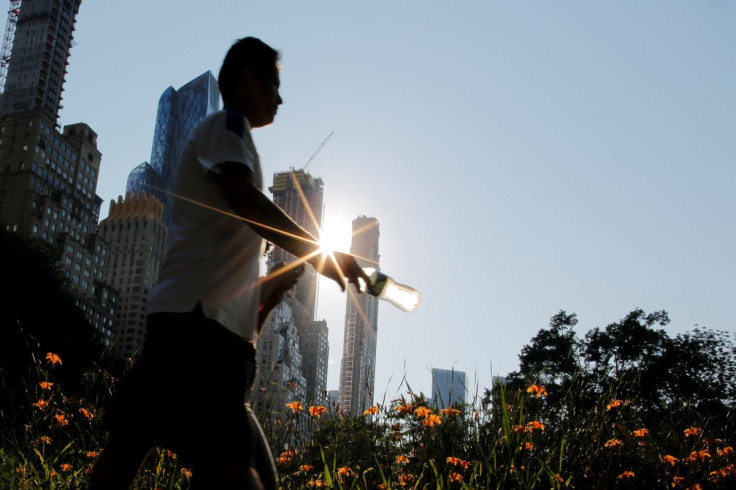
[[249, 81]]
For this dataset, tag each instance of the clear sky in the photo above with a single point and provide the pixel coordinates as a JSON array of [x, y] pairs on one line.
[[522, 157]]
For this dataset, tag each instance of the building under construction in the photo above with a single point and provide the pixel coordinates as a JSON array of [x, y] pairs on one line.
[[48, 176], [36, 46]]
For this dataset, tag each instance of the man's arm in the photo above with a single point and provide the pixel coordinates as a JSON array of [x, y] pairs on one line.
[[269, 221]]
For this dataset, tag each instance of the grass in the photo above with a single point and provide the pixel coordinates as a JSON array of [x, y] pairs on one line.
[[510, 438]]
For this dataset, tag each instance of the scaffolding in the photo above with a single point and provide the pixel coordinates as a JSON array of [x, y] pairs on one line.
[[8, 41]]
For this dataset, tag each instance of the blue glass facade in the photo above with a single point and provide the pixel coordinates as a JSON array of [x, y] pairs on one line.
[[179, 112], [144, 179]]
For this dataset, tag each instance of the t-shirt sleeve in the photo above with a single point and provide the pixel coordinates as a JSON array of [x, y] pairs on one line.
[[226, 140]]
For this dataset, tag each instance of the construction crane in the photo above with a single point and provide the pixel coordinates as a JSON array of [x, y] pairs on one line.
[[319, 148], [8, 41]]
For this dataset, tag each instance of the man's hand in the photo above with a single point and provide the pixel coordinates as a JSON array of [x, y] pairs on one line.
[[341, 267]]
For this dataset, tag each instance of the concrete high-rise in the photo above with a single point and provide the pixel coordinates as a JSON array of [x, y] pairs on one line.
[[37, 66], [301, 197], [448, 387], [48, 178], [179, 112], [358, 364], [137, 237], [280, 378]]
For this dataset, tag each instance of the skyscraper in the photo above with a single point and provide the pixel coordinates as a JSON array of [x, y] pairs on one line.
[[358, 364], [40, 49], [301, 197], [448, 387], [47, 178], [179, 112], [280, 378], [137, 237]]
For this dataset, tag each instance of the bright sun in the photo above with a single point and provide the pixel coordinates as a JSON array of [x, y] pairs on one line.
[[335, 236]]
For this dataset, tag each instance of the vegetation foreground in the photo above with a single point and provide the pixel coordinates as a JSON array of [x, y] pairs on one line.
[[626, 406], [583, 428]]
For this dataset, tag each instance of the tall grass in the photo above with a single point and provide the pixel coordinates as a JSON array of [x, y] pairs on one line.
[[507, 438]]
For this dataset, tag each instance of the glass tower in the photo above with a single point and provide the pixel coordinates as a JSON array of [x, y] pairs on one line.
[[179, 112]]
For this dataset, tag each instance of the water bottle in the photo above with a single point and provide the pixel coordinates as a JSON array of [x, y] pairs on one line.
[[384, 287]]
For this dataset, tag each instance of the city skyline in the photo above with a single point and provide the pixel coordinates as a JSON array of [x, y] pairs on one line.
[[522, 159]]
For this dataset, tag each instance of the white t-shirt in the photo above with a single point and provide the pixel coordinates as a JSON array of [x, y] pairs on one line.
[[213, 256]]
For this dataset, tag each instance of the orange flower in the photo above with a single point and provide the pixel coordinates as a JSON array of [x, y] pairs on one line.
[[61, 419], [692, 431], [20, 470], [518, 428], [306, 468], [343, 471], [92, 454], [371, 411], [402, 459], [669, 459], [726, 451], [528, 446], [641, 432], [45, 439], [677, 480], [626, 474], [534, 425], [52, 358], [53, 474], [403, 409], [86, 413], [450, 412], [317, 411], [406, 479], [422, 412], [41, 404], [65, 467], [186, 472], [538, 390], [286, 456], [701, 455], [45, 385], [432, 420], [316, 483], [614, 404], [295, 407], [613, 443], [458, 462], [455, 476]]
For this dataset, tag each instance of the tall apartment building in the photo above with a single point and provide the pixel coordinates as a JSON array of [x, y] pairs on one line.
[[137, 236], [301, 197], [179, 112], [314, 346], [358, 364], [36, 68], [280, 380], [448, 387], [48, 178]]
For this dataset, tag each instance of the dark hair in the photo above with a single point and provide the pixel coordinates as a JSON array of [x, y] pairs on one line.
[[251, 53]]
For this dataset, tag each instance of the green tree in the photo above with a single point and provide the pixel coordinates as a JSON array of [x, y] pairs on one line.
[[38, 314]]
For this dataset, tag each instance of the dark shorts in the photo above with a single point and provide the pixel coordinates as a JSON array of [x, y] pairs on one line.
[[187, 391]]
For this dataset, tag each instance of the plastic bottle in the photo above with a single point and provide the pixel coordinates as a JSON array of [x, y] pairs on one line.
[[384, 287]]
